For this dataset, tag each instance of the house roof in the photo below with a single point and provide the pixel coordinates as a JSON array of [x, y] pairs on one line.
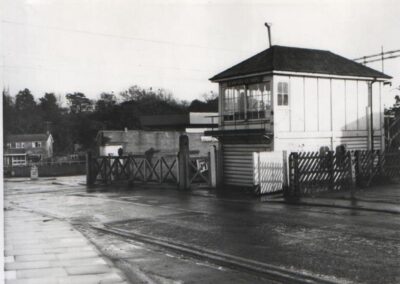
[[294, 59], [27, 137]]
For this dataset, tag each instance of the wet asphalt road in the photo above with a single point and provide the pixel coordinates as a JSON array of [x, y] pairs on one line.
[[341, 245]]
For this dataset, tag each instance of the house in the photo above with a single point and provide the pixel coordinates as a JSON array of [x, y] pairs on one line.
[[296, 99], [20, 149]]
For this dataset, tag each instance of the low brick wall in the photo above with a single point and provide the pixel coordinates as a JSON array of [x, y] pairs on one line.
[[48, 170]]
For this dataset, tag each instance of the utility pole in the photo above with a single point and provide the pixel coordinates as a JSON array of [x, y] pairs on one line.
[[382, 56], [269, 33]]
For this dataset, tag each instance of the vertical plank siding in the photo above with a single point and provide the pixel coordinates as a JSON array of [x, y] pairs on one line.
[[238, 163], [327, 107]]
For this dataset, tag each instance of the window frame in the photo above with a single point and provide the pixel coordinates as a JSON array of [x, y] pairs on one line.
[[231, 115], [18, 160], [281, 93], [19, 145], [236, 95], [36, 144]]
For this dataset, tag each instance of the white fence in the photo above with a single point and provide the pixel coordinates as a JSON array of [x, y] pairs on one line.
[[270, 171]]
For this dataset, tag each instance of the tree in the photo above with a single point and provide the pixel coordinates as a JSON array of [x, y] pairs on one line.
[[79, 103], [50, 108], [24, 101], [209, 103], [106, 102], [27, 116], [8, 113]]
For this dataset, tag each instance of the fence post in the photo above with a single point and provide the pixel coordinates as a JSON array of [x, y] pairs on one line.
[[380, 163], [116, 169], [297, 192], [161, 171], [285, 170], [213, 166], [220, 167], [106, 163], [331, 170], [357, 167], [89, 169], [294, 193], [351, 174], [183, 162]]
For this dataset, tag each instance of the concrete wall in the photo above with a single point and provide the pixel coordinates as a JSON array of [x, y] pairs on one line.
[[166, 142], [109, 150]]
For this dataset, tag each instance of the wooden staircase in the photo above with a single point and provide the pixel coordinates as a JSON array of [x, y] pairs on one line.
[[393, 134]]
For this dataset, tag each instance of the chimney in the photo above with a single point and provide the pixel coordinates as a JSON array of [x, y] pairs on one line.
[[269, 33]]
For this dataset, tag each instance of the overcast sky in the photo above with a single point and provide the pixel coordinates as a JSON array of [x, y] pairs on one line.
[[103, 45]]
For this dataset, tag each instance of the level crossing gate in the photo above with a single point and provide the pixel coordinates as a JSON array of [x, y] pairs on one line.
[[164, 169], [270, 172]]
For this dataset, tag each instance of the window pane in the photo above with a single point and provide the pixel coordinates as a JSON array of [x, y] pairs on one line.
[[280, 89], [279, 99], [285, 88], [283, 94]]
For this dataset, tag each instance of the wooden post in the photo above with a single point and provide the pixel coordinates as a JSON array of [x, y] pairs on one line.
[[351, 174], [183, 162], [177, 169], [331, 171], [381, 159], [296, 193], [285, 170], [213, 167], [357, 167], [89, 169], [161, 171], [220, 167], [369, 128], [106, 161]]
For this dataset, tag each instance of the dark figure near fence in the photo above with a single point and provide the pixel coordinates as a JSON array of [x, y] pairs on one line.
[[149, 157], [120, 152], [340, 155]]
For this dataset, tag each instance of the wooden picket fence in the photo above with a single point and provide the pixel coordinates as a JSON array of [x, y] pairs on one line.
[[312, 172], [371, 166]]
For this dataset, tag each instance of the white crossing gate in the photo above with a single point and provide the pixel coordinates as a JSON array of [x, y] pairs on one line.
[[270, 171]]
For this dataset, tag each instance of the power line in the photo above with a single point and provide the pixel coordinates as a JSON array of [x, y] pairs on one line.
[[40, 57], [118, 36], [379, 57], [375, 55], [42, 68]]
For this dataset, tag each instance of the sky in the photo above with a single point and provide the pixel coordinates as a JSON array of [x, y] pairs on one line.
[[99, 46]]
